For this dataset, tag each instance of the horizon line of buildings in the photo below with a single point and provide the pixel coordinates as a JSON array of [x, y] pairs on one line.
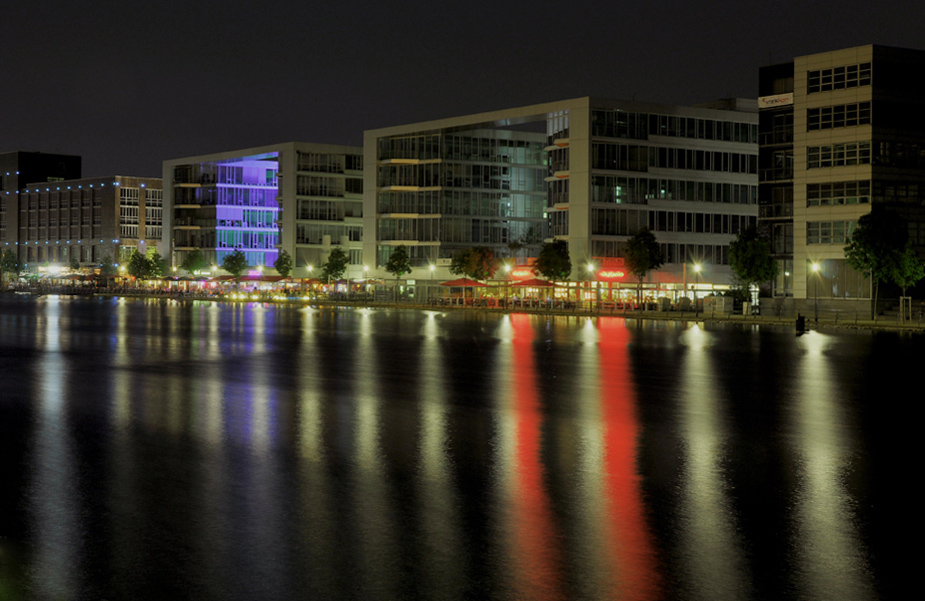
[[829, 135]]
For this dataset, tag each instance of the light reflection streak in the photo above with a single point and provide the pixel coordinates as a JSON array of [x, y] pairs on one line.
[[442, 550], [634, 571], [53, 490], [831, 556], [531, 534], [711, 552], [372, 512]]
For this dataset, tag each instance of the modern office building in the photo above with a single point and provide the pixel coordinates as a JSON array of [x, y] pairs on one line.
[[89, 219], [303, 198], [589, 171], [17, 169], [839, 132]]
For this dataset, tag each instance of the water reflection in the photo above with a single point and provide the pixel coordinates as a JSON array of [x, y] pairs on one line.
[[830, 557], [247, 451]]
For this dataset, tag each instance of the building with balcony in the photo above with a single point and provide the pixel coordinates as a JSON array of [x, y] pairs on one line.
[[89, 219], [589, 171], [299, 197], [839, 132]]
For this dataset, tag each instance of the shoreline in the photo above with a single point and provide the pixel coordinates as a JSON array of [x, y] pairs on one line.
[[825, 322]]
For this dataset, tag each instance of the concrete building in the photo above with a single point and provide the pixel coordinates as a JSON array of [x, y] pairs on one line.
[[17, 169], [303, 198], [589, 171], [89, 219], [840, 132]]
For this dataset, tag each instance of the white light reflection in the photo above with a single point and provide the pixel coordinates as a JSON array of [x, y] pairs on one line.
[[438, 504], [711, 551], [832, 560], [53, 491]]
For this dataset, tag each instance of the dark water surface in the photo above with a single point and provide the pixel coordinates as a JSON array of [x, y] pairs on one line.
[[158, 450]]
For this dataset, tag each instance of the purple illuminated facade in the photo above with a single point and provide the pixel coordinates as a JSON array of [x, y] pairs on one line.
[[301, 198]]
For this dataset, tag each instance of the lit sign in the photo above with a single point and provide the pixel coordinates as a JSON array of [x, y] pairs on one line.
[[520, 274], [610, 274], [765, 102]]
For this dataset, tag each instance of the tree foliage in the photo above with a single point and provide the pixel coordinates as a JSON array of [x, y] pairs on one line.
[[336, 264], [750, 258], [283, 264], [908, 269], [74, 263], [476, 262], [107, 267], [194, 261], [643, 254], [138, 265], [399, 262], [235, 263], [876, 246], [10, 264], [553, 261], [157, 266]]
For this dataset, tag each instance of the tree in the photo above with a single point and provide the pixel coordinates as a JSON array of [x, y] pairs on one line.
[[553, 261], [194, 261], [476, 262], [336, 264], [235, 263], [107, 268], [138, 265], [156, 264], [750, 258], [74, 263], [875, 247], [283, 264], [643, 254], [399, 262], [908, 269], [9, 263]]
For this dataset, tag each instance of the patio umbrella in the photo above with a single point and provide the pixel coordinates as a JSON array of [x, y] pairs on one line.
[[534, 283]]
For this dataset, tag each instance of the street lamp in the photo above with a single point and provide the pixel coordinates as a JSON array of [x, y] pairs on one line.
[[430, 292], [815, 267], [590, 285], [697, 268]]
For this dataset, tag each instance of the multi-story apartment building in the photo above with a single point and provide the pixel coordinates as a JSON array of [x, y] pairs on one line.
[[89, 219], [17, 169], [302, 198], [840, 132], [589, 171]]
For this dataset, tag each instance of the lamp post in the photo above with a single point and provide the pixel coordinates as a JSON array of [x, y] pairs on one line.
[[696, 285], [815, 267], [507, 282], [365, 280], [430, 291], [590, 285]]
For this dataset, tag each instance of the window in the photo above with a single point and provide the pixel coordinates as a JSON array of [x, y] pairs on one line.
[[838, 78], [838, 193], [843, 115], [838, 155], [829, 232]]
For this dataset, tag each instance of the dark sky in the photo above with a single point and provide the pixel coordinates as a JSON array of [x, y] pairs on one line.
[[129, 84]]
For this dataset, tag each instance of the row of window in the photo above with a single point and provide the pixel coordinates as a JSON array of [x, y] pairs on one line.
[[829, 232], [838, 78], [329, 163], [710, 254], [838, 193], [639, 126], [842, 115], [619, 157], [459, 202], [640, 190], [838, 155]]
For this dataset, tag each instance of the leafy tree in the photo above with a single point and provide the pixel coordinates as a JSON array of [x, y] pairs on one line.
[[553, 261], [875, 247], [283, 264], [399, 262], [336, 264], [138, 265], [194, 261], [908, 269], [107, 267], [10, 264], [74, 263], [643, 254], [157, 266], [476, 262], [235, 263], [750, 258]]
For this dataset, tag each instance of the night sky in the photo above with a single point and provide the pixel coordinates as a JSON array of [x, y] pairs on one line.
[[128, 85]]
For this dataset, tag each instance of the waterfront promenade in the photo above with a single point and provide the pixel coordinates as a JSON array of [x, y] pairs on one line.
[[826, 318]]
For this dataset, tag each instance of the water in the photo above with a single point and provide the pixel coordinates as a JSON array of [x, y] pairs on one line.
[[159, 450]]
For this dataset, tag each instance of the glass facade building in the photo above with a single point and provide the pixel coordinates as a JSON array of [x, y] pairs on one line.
[[302, 198]]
